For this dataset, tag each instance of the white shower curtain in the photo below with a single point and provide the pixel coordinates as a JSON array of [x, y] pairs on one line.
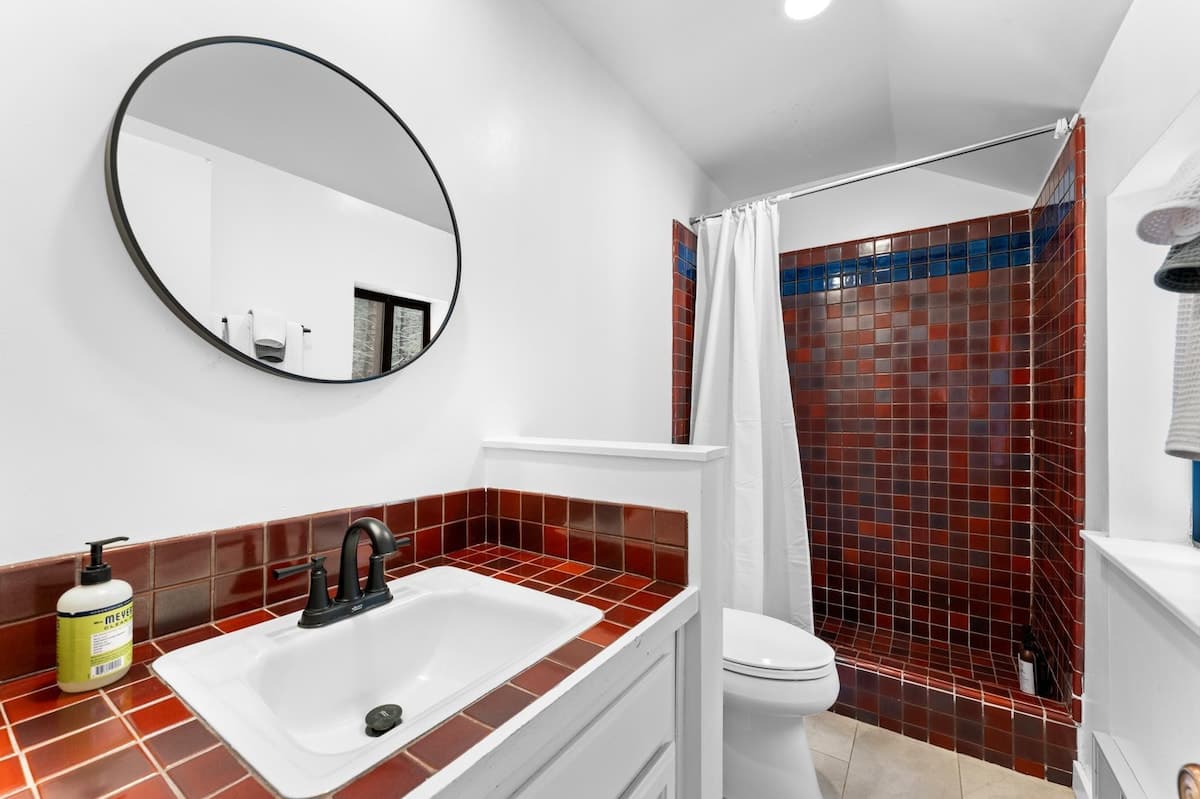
[[742, 399]]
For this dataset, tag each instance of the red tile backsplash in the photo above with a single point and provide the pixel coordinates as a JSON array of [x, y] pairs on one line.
[[183, 582]]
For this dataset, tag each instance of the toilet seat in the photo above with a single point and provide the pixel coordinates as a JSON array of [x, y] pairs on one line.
[[759, 646]]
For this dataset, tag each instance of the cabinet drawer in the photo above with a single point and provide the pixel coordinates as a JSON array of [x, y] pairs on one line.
[[610, 753]]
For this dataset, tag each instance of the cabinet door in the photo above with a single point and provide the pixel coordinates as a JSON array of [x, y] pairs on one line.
[[608, 758], [658, 779]]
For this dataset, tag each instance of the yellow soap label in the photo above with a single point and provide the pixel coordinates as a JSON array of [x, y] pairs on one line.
[[91, 645]]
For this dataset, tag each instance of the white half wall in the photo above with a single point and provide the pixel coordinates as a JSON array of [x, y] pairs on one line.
[[119, 420], [914, 198]]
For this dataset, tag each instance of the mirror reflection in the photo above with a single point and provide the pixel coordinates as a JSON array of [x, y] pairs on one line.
[[275, 203]]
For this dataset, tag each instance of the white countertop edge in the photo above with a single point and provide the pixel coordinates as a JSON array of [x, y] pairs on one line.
[[1112, 550], [622, 449], [664, 621]]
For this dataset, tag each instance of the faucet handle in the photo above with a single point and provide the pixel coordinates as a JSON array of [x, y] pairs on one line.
[[318, 588], [313, 565]]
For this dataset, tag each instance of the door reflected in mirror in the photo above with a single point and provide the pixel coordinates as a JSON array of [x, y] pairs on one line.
[[283, 211]]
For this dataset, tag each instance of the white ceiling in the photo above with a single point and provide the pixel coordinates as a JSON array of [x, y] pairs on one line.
[[296, 115], [763, 103]]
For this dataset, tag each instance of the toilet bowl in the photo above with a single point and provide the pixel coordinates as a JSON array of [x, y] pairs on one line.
[[775, 674]]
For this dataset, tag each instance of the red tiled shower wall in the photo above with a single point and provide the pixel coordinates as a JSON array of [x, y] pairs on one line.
[[912, 400], [180, 583], [1058, 406], [683, 311]]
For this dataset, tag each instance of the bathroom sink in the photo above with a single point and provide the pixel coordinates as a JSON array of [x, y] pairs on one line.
[[292, 701]]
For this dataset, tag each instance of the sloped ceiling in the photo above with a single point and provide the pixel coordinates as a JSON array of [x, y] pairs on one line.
[[764, 103]]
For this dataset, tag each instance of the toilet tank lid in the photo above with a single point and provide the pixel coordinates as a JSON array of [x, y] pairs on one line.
[[753, 639]]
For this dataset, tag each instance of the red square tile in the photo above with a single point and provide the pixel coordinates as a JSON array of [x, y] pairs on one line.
[[207, 773], [181, 560], [33, 589], [60, 722], [444, 744], [328, 529], [99, 777], [288, 538], [554, 541], [238, 593], [237, 549], [639, 523], [395, 776], [131, 563], [429, 511], [12, 776], [65, 753], [581, 515], [603, 633], [610, 552], [541, 677], [670, 528], [181, 607], [670, 565], [136, 694], [152, 718], [554, 510], [401, 517], [500, 705]]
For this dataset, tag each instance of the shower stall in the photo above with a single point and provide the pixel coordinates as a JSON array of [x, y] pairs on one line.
[[937, 381]]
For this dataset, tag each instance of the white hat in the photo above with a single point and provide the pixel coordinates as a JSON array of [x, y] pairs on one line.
[[1176, 220]]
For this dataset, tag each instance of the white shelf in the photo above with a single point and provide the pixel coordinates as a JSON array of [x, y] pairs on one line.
[[1167, 571], [620, 449]]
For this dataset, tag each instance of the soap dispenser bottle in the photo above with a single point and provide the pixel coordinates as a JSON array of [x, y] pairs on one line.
[[95, 626]]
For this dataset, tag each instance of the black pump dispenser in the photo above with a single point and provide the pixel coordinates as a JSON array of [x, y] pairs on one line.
[[98, 571]]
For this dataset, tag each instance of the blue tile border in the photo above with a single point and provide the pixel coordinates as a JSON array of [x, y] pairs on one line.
[[977, 255]]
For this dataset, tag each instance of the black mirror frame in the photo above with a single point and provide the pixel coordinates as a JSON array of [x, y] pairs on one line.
[[117, 206]]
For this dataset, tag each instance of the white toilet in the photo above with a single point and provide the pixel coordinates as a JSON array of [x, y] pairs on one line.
[[776, 674]]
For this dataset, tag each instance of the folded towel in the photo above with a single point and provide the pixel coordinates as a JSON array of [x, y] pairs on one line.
[[270, 334], [1183, 436], [270, 328], [293, 353]]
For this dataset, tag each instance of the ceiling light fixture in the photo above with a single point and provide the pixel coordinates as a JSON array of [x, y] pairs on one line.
[[804, 9]]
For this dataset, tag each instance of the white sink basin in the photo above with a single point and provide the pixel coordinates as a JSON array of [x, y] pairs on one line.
[[292, 701]]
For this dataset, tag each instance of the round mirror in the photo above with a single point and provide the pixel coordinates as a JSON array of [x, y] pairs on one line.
[[282, 210]]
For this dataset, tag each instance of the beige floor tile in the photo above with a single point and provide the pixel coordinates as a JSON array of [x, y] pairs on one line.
[[831, 775], [982, 780], [831, 734], [887, 764]]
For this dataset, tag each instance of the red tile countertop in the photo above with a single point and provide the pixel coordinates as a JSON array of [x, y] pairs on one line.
[[135, 739]]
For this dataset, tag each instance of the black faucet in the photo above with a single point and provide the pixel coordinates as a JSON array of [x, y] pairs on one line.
[[351, 599]]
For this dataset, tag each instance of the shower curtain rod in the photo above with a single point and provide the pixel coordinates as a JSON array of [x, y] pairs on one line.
[[1060, 128]]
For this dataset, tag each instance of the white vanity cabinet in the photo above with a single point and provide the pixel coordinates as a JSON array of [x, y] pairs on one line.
[[626, 751]]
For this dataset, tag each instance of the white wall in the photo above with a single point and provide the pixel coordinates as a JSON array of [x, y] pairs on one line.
[[119, 420], [1149, 76], [173, 222], [914, 198]]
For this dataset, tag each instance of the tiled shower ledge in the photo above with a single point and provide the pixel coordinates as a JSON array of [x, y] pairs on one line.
[[136, 739], [946, 667]]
